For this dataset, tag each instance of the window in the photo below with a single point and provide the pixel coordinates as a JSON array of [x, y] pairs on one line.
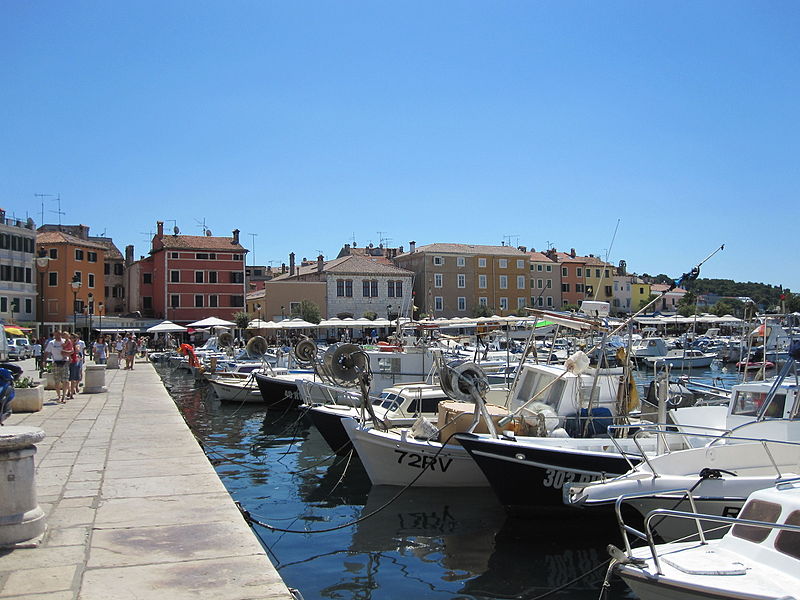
[[147, 278], [174, 255], [212, 277], [549, 301], [565, 287], [394, 289], [538, 267], [370, 288], [597, 273], [5, 272], [198, 277], [579, 287], [201, 256], [3, 304], [503, 263], [482, 281], [77, 276], [757, 510], [91, 256], [53, 252], [503, 303], [118, 268], [520, 282], [147, 302], [213, 300], [482, 262], [461, 261], [608, 290], [174, 301], [788, 541], [348, 288], [549, 268], [520, 263], [462, 303], [520, 302], [78, 254], [549, 284], [540, 283], [237, 301], [641, 290], [578, 272], [237, 276], [438, 261], [28, 305], [198, 300], [90, 281], [4, 241], [52, 278], [605, 273], [564, 271], [437, 280], [462, 280], [238, 257], [483, 301], [503, 282], [107, 269], [438, 304]]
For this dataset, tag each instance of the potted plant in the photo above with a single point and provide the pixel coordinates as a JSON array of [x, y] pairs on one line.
[[49, 377], [28, 395]]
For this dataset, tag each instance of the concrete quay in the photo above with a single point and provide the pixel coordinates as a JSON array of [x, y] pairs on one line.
[[134, 509]]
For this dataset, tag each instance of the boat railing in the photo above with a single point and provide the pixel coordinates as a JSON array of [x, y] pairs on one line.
[[713, 437], [331, 393], [648, 535]]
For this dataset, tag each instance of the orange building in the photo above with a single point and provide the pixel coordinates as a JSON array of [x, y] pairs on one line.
[[71, 259]]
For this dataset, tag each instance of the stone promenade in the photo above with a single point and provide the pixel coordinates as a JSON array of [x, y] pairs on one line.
[[134, 509]]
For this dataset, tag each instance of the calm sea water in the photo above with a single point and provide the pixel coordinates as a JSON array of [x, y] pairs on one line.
[[424, 544]]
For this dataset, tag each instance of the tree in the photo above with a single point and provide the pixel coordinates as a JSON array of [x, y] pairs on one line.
[[687, 305], [242, 318], [645, 302], [370, 314], [481, 310], [308, 311], [792, 302]]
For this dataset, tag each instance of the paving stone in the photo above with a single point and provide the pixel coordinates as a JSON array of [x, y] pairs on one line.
[[39, 580], [164, 510]]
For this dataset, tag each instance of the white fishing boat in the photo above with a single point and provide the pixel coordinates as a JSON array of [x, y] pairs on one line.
[[682, 358], [757, 559], [236, 389]]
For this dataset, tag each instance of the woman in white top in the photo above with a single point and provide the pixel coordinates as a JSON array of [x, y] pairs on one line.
[[100, 351]]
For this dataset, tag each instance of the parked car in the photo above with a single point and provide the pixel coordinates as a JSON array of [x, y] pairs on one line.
[[19, 348]]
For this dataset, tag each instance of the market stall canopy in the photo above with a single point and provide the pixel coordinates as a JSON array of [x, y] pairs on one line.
[[166, 327], [212, 322], [259, 324], [13, 330], [296, 323]]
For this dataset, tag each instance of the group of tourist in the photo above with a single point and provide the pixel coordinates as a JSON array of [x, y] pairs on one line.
[[67, 351]]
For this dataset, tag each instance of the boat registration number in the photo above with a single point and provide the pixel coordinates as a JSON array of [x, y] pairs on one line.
[[555, 478], [420, 461]]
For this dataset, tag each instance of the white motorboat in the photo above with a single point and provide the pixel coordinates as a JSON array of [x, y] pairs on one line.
[[236, 389], [757, 559], [682, 358]]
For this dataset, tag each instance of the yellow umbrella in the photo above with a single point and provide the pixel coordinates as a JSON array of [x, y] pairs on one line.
[[13, 330]]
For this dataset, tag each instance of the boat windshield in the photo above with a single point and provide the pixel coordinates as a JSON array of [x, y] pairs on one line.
[[757, 510], [749, 403], [387, 400], [788, 542]]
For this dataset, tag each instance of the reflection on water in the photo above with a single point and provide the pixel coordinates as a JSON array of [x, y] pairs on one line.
[[450, 543]]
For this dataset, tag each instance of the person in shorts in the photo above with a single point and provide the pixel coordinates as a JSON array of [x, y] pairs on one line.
[[75, 365], [60, 350], [130, 351]]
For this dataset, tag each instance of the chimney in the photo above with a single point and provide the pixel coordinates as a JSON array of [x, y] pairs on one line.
[[83, 232], [128, 255], [291, 263], [522, 249], [283, 268], [399, 250], [320, 263], [572, 252], [160, 228], [412, 246], [235, 236]]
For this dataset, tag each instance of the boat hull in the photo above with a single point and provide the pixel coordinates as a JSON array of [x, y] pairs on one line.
[[528, 478], [277, 392], [395, 458], [329, 423]]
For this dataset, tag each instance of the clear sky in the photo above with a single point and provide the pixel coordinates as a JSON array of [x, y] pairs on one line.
[[312, 124]]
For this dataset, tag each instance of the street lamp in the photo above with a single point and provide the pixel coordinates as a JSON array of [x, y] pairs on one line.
[[258, 311], [100, 308], [90, 309], [76, 285], [42, 261]]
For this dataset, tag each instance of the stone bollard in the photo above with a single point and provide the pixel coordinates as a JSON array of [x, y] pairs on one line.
[[21, 519], [113, 361], [94, 379]]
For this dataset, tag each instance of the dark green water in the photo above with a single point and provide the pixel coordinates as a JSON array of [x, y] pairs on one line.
[[425, 544]]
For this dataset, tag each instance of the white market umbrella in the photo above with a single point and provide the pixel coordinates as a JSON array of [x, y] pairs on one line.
[[296, 323], [258, 324], [166, 327], [212, 322]]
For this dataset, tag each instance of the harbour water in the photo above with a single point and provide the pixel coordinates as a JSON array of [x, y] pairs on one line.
[[344, 539]]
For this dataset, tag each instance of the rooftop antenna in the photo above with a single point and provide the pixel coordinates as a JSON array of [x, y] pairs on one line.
[[253, 244], [508, 237], [175, 228], [353, 239], [41, 199], [202, 224], [59, 212], [550, 244]]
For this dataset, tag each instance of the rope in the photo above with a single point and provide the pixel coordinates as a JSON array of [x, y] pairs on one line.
[[257, 521]]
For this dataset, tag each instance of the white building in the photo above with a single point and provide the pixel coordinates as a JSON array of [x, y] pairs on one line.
[[17, 270]]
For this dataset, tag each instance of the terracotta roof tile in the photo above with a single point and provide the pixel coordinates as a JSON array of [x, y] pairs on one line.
[[350, 265], [469, 249], [200, 242], [59, 237]]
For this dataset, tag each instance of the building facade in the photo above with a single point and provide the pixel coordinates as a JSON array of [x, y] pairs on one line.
[[188, 277], [454, 280], [545, 281], [17, 270], [73, 259]]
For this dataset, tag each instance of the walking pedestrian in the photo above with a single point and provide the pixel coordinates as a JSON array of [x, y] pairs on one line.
[[100, 350], [60, 349], [75, 365]]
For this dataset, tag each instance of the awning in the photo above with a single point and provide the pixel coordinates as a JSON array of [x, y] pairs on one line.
[[13, 330]]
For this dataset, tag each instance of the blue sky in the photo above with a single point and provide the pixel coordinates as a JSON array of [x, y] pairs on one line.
[[310, 123]]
